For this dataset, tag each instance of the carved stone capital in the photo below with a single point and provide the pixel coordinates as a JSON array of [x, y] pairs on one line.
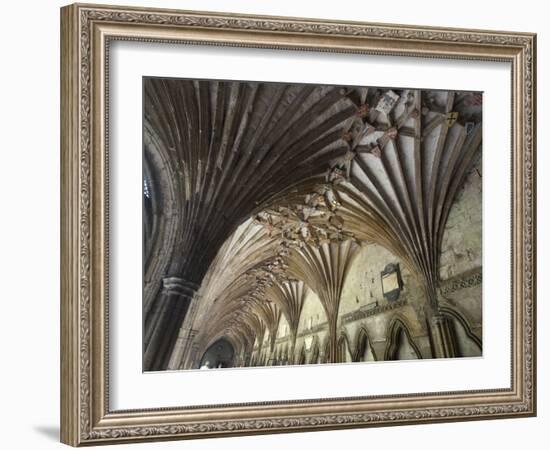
[[179, 286], [439, 319]]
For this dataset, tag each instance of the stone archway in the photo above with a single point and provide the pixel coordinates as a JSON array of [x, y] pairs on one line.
[[219, 355], [364, 351], [343, 350], [400, 344]]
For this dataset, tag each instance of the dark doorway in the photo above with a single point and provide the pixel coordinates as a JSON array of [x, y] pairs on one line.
[[219, 355]]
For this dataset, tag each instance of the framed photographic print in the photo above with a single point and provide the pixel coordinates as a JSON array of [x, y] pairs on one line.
[[274, 224]]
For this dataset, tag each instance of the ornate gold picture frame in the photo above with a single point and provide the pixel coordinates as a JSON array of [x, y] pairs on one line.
[[87, 32]]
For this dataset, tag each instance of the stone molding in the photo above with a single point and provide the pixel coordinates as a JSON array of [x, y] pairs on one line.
[[462, 281], [178, 286]]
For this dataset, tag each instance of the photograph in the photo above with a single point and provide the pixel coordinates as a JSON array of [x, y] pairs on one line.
[[287, 224]]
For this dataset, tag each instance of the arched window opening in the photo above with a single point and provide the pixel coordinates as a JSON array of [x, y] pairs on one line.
[[400, 345], [404, 348], [364, 350], [344, 354]]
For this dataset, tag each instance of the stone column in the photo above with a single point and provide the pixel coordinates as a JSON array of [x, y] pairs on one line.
[[292, 351], [189, 344], [332, 356], [259, 351], [167, 316], [443, 337], [271, 358], [182, 348], [194, 357]]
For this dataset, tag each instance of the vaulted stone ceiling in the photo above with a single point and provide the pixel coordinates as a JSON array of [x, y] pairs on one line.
[[258, 192]]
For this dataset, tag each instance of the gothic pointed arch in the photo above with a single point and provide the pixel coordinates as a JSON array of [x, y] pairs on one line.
[[344, 349], [363, 346], [289, 296], [398, 334], [314, 352], [468, 345], [220, 354]]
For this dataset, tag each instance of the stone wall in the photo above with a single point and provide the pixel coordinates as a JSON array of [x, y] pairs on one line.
[[461, 248]]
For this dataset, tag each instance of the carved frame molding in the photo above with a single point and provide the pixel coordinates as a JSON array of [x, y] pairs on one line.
[[86, 31]]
